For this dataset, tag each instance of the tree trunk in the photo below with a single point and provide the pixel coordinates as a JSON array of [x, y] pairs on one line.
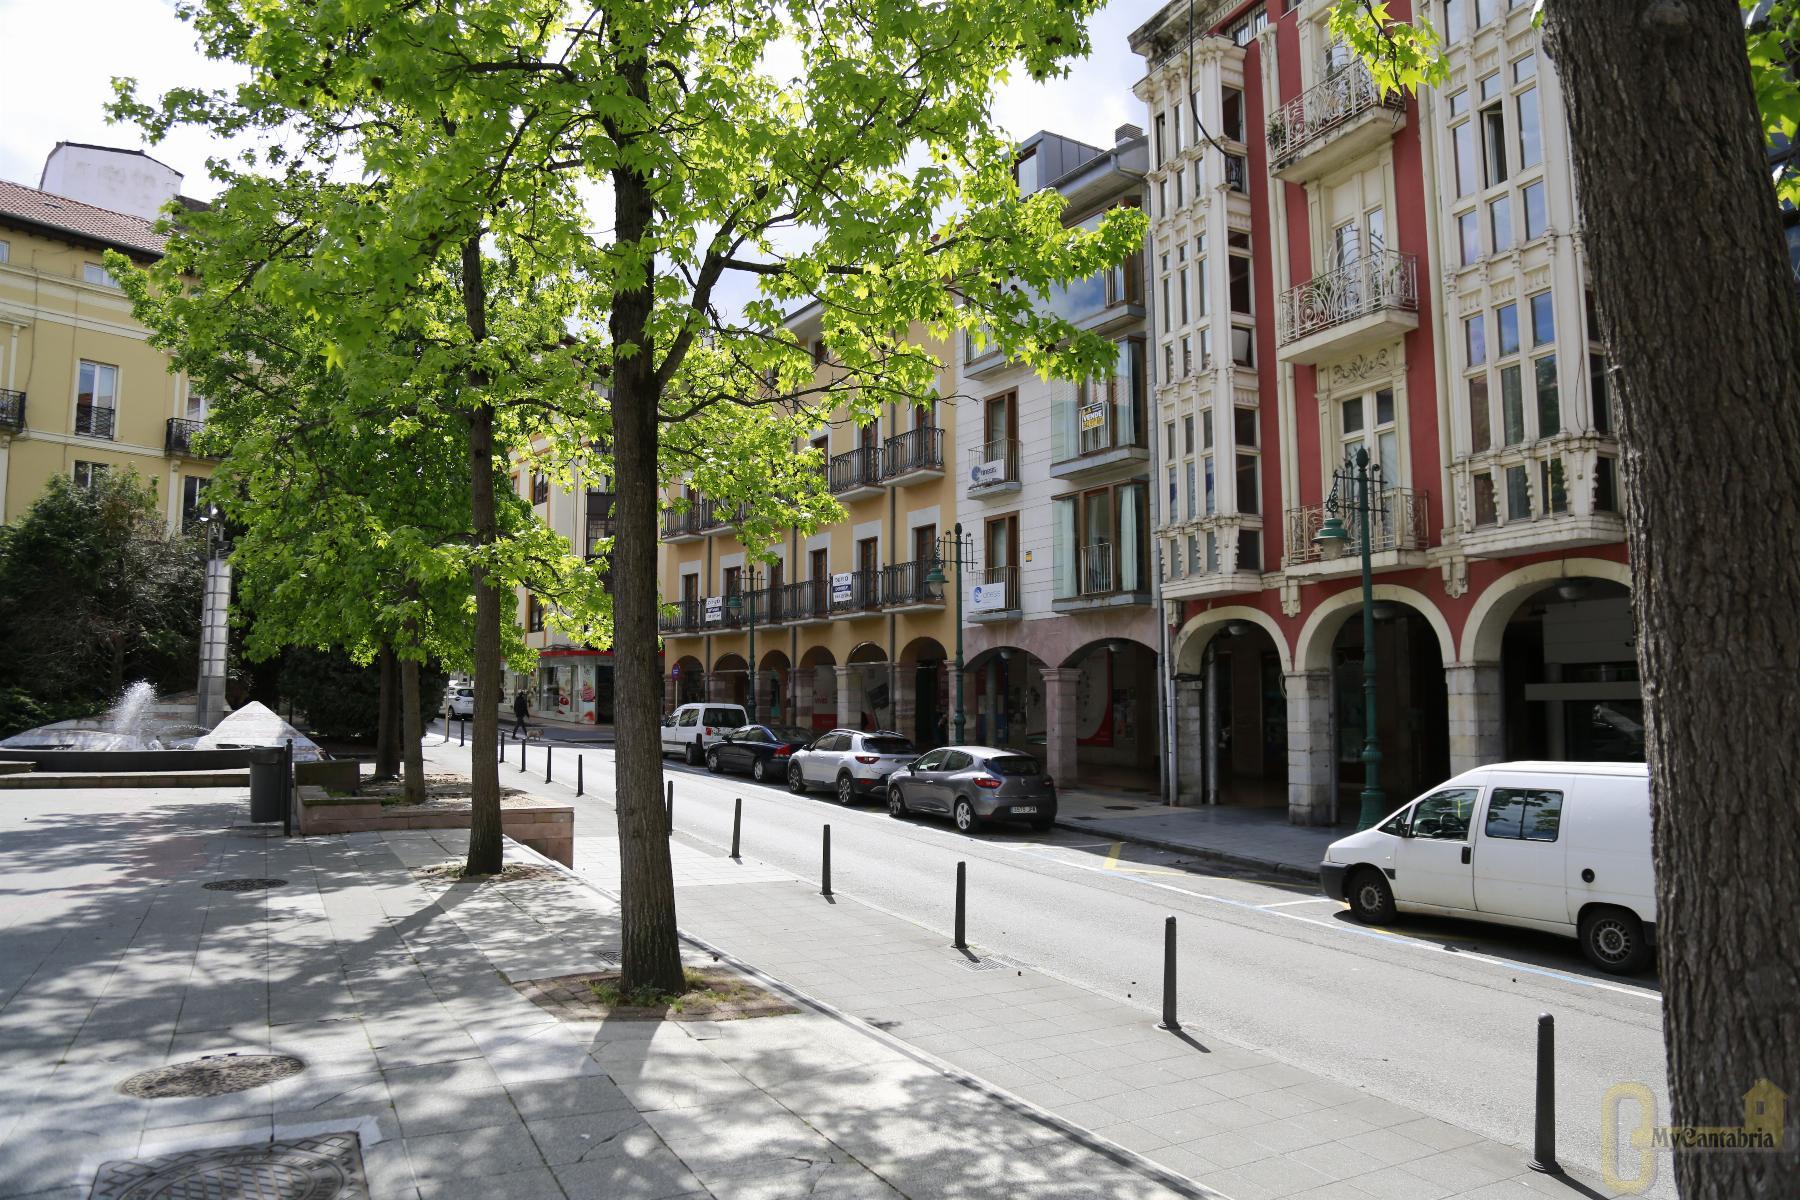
[[651, 952], [412, 748], [485, 849], [387, 735], [1700, 318]]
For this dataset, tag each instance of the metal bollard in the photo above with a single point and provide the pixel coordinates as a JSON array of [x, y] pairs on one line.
[[578, 775], [547, 761], [825, 868], [962, 879], [1543, 1143], [522, 749], [462, 732], [669, 808], [1168, 1014], [501, 738], [737, 825]]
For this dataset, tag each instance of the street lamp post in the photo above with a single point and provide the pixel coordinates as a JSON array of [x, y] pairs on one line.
[[959, 549], [1351, 488], [737, 604]]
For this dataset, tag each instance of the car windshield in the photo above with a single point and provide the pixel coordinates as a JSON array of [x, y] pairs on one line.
[[1013, 764], [792, 734], [887, 745]]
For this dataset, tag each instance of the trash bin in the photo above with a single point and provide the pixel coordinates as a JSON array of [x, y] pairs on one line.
[[268, 783]]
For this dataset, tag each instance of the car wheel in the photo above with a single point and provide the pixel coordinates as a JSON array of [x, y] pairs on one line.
[[796, 781], [1371, 899], [1613, 940], [712, 762], [759, 770], [896, 803], [691, 754], [846, 791], [965, 815]]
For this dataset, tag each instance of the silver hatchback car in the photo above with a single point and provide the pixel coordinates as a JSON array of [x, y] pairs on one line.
[[975, 785], [851, 762]]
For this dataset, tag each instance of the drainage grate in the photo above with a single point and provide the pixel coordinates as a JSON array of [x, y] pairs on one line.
[[211, 1075], [986, 964], [327, 1167], [243, 885]]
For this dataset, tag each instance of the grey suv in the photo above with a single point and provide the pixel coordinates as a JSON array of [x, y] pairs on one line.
[[975, 785], [850, 762]]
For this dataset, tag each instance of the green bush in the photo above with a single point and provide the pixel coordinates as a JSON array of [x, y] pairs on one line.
[[341, 700]]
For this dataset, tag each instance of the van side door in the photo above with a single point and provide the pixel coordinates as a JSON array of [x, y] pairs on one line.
[[1520, 854], [1431, 863]]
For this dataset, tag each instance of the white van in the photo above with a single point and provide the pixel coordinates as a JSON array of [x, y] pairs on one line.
[[1558, 846], [690, 729]]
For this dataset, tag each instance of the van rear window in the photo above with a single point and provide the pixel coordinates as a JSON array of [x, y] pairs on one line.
[[1013, 764], [1526, 814], [724, 716]]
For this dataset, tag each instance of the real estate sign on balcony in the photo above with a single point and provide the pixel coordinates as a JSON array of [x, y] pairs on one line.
[[1093, 415], [840, 587], [987, 597], [715, 609]]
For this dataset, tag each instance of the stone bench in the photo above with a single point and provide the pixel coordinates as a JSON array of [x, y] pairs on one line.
[[547, 828]]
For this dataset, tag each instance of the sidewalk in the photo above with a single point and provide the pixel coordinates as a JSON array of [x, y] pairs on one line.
[[417, 1070], [1260, 838]]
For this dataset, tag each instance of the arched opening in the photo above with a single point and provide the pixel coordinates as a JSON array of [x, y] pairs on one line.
[[1003, 700], [730, 681], [924, 709], [774, 695], [1114, 715], [1411, 705], [871, 700], [1569, 677], [690, 680], [815, 689], [1231, 716]]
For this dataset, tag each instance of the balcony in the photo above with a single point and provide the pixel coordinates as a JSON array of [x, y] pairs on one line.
[[1100, 579], [1105, 435], [994, 468], [1520, 499], [856, 593], [716, 515], [805, 603], [993, 596], [681, 617], [914, 457], [904, 587], [12, 411], [856, 474], [1370, 301], [680, 526], [1331, 124], [178, 438], [95, 422], [1399, 534]]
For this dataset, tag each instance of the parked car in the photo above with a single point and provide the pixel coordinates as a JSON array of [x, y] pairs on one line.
[[691, 728], [1559, 846], [762, 750], [851, 762], [462, 701], [975, 785]]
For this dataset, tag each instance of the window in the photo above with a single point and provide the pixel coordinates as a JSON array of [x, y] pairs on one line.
[[1493, 135], [1475, 340], [1462, 145], [1543, 319], [1518, 494], [1237, 176], [1531, 138], [1001, 544], [1606, 484], [96, 399], [1248, 499], [1486, 508], [1524, 814], [1025, 172], [1603, 421], [1512, 405], [1240, 284], [1101, 541], [1167, 309], [1187, 356], [1193, 497], [1549, 406], [1444, 816], [1169, 439], [1468, 235], [1480, 424], [1202, 301], [87, 474], [534, 614], [1367, 422], [96, 273], [1231, 110], [1552, 487], [192, 488], [1184, 295], [540, 488], [5, 251], [734, 581], [1485, 11], [1507, 318], [1456, 20], [1243, 426], [1175, 127], [1537, 215], [1103, 413], [1187, 434], [1161, 131], [1500, 223]]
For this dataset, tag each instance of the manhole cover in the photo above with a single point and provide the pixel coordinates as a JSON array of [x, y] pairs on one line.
[[328, 1167], [213, 1075], [243, 885]]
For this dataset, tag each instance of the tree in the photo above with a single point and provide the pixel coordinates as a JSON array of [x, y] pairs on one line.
[[94, 593], [1700, 315]]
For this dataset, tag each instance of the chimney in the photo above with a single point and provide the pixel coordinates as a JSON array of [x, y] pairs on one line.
[[1126, 133]]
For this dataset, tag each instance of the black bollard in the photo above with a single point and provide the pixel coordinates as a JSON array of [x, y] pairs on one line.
[[522, 749], [1168, 1015], [1543, 1143], [669, 808], [462, 732], [737, 825], [825, 868], [502, 740], [547, 761], [578, 775], [962, 879]]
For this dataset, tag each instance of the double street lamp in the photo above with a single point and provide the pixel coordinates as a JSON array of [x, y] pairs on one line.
[[737, 604], [959, 550], [1356, 487]]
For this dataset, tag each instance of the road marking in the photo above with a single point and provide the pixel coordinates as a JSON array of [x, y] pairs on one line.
[[1308, 900]]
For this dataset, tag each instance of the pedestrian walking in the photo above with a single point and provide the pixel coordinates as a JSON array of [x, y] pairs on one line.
[[521, 710]]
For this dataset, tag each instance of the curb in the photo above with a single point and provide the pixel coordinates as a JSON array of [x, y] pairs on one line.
[[1273, 866]]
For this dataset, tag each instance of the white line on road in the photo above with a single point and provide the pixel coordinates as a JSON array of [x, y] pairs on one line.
[[1308, 900]]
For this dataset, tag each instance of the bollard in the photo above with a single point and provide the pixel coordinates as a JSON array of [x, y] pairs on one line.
[[522, 749], [962, 878], [578, 779], [825, 869], [501, 738], [737, 824], [669, 808], [1543, 1144], [547, 758], [462, 732], [1168, 1015]]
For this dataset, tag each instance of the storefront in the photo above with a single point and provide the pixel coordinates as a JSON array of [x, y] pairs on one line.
[[574, 685]]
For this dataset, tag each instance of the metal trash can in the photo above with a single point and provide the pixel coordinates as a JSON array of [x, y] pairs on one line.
[[268, 783]]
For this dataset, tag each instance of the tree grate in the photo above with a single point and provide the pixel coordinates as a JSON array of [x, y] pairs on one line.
[[243, 885], [326, 1167], [211, 1075]]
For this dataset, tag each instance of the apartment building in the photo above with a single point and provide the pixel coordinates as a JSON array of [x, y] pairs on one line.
[[842, 627], [1352, 274], [1062, 637], [81, 390]]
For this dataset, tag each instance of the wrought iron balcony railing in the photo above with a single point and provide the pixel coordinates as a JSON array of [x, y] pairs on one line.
[[808, 600], [1386, 279], [864, 594], [716, 514], [93, 421], [683, 617], [1312, 116], [12, 410], [904, 585], [178, 438], [676, 523], [991, 591], [915, 450], [994, 464], [853, 469], [1400, 521]]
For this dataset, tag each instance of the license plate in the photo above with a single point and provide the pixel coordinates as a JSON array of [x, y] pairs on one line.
[[1025, 808]]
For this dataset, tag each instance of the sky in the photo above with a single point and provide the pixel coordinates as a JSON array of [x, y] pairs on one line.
[[62, 55]]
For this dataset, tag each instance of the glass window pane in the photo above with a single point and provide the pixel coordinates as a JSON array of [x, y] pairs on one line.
[[1456, 20], [1173, 505], [1444, 816], [1485, 510], [1549, 404], [1602, 400], [1525, 814], [1459, 102], [1240, 284], [1468, 235], [1479, 436], [1384, 406], [1353, 419], [1507, 317], [1500, 224], [1247, 500], [1550, 483], [1388, 444], [1475, 339], [1134, 535], [1537, 215], [1512, 405], [1543, 319], [1531, 141], [1187, 434], [1518, 494], [1606, 485], [1244, 426], [1462, 144], [1211, 502], [1193, 497], [1525, 68], [1206, 430], [1064, 546]]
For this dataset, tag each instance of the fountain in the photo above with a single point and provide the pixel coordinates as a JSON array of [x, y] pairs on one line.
[[133, 722]]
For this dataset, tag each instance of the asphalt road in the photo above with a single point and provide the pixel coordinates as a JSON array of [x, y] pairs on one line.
[[1438, 1015]]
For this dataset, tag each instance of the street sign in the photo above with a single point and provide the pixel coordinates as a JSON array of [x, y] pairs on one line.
[[840, 587], [987, 597], [715, 609]]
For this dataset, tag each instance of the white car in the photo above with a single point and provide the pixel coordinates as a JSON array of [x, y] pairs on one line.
[[462, 701], [852, 763], [1559, 846], [690, 729]]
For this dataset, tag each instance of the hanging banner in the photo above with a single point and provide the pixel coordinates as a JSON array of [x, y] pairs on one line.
[[715, 609], [992, 471], [987, 597], [840, 587]]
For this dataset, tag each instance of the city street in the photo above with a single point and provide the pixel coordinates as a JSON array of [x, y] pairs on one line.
[[1413, 1015]]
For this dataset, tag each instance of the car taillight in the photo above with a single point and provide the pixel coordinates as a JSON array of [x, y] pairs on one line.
[[783, 751], [986, 781], [868, 758], [1049, 782]]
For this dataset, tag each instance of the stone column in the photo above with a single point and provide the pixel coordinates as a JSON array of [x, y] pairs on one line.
[[1059, 724], [1190, 742], [849, 697], [1477, 730], [672, 692], [1309, 747]]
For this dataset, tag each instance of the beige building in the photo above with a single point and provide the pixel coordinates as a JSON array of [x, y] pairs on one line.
[[81, 390]]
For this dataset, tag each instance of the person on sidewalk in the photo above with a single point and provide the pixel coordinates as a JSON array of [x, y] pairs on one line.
[[521, 710]]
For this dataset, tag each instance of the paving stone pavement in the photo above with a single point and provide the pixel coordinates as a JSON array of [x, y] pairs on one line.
[[397, 995]]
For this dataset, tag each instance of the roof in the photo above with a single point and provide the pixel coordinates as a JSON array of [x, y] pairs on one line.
[[1567, 768], [83, 222], [113, 150]]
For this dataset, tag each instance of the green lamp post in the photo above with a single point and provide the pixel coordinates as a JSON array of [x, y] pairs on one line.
[[959, 549], [1351, 488], [737, 604]]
